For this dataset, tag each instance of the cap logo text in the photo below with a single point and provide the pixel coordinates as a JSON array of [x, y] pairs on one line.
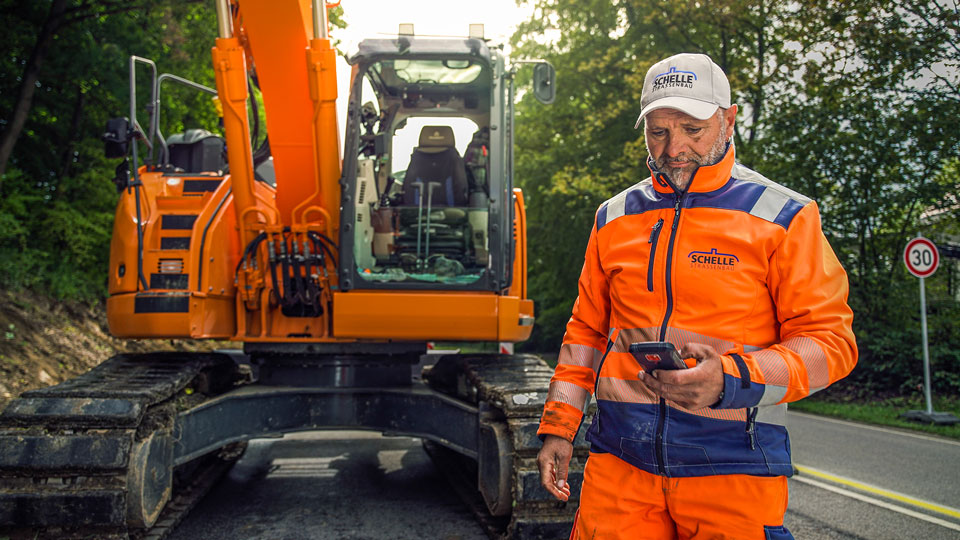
[[674, 79]]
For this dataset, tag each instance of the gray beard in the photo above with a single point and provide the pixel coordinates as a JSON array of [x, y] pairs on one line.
[[680, 177]]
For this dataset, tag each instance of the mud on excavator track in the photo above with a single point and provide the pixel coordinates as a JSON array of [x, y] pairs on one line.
[[510, 391], [93, 457]]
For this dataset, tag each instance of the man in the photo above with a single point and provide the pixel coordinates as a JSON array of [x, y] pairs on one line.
[[734, 270]]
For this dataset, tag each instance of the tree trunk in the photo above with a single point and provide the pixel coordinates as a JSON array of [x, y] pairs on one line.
[[28, 83], [70, 145]]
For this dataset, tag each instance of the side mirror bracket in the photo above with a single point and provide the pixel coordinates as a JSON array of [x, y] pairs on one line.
[[122, 175]]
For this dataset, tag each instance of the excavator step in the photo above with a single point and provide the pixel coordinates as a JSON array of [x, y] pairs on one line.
[[553, 527]]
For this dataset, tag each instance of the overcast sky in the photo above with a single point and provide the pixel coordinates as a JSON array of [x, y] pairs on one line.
[[380, 19]]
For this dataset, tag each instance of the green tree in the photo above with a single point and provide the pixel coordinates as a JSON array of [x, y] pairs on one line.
[[866, 129], [57, 198]]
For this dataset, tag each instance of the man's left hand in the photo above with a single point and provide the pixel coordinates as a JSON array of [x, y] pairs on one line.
[[693, 388]]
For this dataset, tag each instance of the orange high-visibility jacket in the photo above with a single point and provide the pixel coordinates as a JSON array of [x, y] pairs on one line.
[[736, 262]]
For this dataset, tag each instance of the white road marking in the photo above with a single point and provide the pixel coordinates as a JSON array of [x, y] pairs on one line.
[[303, 467], [878, 502], [887, 493]]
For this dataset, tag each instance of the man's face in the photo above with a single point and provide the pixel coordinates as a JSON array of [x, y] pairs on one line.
[[679, 143]]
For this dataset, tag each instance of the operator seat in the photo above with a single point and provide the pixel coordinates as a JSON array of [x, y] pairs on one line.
[[436, 160]]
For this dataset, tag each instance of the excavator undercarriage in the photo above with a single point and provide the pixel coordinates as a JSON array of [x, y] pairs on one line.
[[126, 449]]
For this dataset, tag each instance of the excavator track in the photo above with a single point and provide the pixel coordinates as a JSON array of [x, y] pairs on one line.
[[510, 391], [93, 457]]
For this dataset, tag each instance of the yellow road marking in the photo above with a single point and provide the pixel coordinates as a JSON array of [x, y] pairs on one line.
[[876, 502], [906, 499]]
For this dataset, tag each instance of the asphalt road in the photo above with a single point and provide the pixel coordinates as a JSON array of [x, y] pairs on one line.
[[923, 466], [348, 485], [873, 484]]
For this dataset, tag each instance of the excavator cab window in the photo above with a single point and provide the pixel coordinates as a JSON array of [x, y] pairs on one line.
[[421, 215]]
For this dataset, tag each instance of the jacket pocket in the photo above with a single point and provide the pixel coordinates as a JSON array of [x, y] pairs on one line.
[[638, 451], [654, 238], [778, 532]]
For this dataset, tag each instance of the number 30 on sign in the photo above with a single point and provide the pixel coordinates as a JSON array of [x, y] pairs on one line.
[[921, 257]]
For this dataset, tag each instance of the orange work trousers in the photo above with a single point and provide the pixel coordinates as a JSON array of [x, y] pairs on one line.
[[619, 501]]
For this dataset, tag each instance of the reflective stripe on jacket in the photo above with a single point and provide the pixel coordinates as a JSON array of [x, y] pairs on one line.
[[736, 262]]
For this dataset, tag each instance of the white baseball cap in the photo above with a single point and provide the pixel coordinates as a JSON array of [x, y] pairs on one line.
[[690, 83]]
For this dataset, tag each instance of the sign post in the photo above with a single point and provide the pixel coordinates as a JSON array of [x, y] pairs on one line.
[[922, 258]]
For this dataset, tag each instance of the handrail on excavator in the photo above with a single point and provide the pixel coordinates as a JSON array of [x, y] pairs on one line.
[[164, 155], [133, 101]]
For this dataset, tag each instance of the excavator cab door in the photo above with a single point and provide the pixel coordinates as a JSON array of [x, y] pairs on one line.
[[414, 214]]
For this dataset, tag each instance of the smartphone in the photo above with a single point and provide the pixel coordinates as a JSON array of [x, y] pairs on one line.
[[654, 355]]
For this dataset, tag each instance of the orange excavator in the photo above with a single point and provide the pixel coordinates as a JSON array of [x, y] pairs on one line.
[[334, 272]]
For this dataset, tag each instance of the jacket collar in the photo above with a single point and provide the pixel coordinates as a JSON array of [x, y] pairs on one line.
[[705, 179]]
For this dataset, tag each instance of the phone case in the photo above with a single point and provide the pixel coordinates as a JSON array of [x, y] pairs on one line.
[[654, 355]]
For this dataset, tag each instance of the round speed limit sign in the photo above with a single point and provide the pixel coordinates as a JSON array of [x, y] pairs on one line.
[[921, 257]]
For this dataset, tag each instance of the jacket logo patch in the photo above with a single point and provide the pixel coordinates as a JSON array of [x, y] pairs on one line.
[[712, 260]]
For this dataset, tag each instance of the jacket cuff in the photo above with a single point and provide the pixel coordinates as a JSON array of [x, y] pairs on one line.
[[559, 419], [738, 391], [547, 429]]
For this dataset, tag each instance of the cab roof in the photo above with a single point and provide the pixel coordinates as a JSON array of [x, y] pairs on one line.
[[376, 49]]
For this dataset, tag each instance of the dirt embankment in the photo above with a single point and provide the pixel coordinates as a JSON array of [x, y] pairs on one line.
[[44, 342]]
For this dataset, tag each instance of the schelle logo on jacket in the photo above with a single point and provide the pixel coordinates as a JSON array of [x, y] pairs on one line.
[[736, 262]]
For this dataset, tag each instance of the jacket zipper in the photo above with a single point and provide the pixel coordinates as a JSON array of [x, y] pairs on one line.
[[654, 237], [668, 276], [752, 426], [610, 343], [596, 382], [661, 417]]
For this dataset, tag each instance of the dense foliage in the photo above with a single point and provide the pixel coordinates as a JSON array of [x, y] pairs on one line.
[[56, 195], [851, 103]]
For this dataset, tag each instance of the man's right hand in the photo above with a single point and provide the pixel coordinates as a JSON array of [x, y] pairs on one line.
[[553, 460]]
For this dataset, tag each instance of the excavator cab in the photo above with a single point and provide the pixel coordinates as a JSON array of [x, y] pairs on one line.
[[432, 203]]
